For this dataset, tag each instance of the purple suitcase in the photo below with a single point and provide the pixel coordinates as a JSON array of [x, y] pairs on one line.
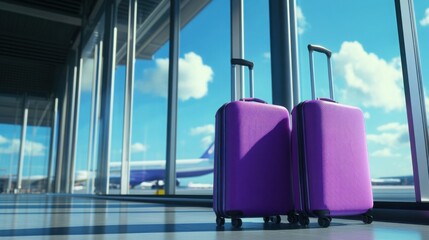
[[329, 158], [252, 161]]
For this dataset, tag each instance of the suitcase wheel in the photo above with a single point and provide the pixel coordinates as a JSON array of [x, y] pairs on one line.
[[220, 221], [275, 219], [367, 219], [267, 219], [292, 218], [303, 220], [236, 222], [324, 221]]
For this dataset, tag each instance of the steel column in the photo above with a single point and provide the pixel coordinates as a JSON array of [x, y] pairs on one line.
[[173, 79], [281, 58]]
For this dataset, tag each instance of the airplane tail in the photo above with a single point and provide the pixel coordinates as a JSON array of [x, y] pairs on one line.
[[209, 153]]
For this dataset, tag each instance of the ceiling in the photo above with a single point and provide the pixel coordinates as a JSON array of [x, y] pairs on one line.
[[36, 38]]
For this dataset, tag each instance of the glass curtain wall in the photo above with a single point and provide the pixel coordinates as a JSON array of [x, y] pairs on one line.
[[367, 73]]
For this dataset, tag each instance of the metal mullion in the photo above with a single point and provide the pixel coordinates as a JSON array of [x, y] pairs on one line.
[[97, 111], [128, 105], [22, 147], [74, 133], [92, 117], [51, 145], [237, 47]]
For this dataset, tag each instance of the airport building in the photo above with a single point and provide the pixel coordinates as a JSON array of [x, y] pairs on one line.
[[107, 109]]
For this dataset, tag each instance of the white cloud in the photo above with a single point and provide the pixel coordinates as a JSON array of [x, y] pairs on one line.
[[384, 153], [207, 140], [388, 139], [370, 80], [301, 22], [31, 148], [206, 129], [394, 126], [391, 135], [267, 55], [138, 147], [366, 115], [194, 77], [34, 149], [425, 21], [3, 140]]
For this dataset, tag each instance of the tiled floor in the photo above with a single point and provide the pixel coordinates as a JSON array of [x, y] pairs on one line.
[[64, 217]]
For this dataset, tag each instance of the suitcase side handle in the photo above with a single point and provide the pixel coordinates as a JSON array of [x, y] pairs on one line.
[[242, 62], [247, 63], [327, 100], [317, 48]]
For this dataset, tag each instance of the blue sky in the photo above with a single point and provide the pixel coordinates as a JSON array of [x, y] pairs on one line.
[[362, 35]]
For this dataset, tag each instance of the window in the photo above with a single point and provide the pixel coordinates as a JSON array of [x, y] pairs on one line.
[[367, 73]]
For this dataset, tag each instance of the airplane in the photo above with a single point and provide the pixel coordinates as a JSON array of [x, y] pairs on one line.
[[154, 171], [147, 173], [393, 181]]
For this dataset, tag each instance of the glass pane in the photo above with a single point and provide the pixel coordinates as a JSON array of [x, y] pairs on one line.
[[421, 9], [88, 123], [257, 45], [149, 122], [149, 112], [367, 74], [421, 13], [204, 86], [83, 126], [118, 98], [37, 145], [10, 134]]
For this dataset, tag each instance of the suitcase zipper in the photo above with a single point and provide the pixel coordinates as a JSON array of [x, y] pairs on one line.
[[220, 165], [302, 164]]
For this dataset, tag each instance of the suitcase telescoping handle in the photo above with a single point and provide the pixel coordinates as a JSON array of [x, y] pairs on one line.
[[249, 64], [328, 53]]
